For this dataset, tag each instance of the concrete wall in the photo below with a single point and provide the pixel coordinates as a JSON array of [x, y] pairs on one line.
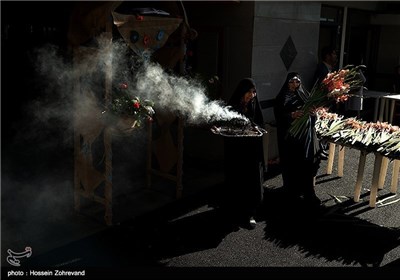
[[274, 22]]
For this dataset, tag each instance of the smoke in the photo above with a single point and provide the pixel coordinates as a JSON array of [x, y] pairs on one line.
[[73, 92], [180, 95]]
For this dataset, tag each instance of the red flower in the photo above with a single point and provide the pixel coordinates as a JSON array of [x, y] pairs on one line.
[[136, 105]]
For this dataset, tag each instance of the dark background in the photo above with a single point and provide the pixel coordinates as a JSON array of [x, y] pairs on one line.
[[26, 27]]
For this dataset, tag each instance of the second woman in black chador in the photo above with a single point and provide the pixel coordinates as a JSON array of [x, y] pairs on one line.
[[244, 159], [298, 156]]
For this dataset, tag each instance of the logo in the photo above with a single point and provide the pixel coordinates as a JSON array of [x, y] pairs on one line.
[[13, 257]]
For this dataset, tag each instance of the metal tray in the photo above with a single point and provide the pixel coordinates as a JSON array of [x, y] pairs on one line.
[[238, 132]]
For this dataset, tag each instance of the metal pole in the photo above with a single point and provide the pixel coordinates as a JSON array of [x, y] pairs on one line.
[[343, 39]]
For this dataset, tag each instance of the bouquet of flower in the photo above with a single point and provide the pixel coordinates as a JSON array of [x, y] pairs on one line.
[[335, 87], [131, 108]]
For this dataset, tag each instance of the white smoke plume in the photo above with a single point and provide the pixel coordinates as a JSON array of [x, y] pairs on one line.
[[183, 96], [180, 95]]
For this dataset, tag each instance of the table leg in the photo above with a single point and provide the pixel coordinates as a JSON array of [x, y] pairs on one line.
[[376, 109], [331, 157], [375, 180], [395, 176], [387, 105], [360, 174], [382, 109], [392, 105], [341, 161], [382, 172]]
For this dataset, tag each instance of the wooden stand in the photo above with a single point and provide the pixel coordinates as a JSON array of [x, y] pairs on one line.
[[170, 155], [89, 128]]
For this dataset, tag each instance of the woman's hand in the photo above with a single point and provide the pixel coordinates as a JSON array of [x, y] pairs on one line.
[[297, 114]]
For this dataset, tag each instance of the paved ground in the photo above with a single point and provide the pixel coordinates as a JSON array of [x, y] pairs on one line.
[[189, 237]]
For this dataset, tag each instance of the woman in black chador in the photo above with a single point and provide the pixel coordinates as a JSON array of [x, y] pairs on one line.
[[298, 156], [244, 160]]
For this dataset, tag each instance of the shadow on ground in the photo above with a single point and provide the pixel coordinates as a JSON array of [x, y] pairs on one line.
[[330, 233], [190, 234], [184, 227], [173, 230]]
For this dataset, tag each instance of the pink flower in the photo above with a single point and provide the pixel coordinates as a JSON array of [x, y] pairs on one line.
[[123, 86]]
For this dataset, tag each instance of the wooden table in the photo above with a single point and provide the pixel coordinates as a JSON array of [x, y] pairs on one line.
[[379, 174], [385, 110]]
